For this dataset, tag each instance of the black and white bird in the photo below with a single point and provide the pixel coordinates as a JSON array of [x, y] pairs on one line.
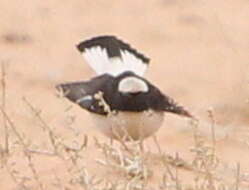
[[122, 103]]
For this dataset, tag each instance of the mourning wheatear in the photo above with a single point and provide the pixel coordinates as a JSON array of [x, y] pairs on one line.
[[122, 103]]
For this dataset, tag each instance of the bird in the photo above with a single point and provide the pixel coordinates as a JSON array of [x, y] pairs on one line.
[[122, 103]]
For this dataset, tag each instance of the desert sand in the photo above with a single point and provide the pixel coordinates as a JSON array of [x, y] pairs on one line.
[[199, 54]]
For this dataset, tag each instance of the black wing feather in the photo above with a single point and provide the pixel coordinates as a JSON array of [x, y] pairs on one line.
[[112, 45]]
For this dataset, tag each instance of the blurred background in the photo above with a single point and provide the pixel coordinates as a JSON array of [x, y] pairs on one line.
[[199, 54]]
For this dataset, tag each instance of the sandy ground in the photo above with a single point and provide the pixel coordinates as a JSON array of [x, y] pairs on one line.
[[199, 55]]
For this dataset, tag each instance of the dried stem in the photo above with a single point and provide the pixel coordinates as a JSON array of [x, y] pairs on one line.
[[45, 126], [24, 146], [157, 144], [237, 177], [213, 123], [178, 184], [6, 131], [12, 126]]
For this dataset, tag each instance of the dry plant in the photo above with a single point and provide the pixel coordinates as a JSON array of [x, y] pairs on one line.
[[5, 149], [131, 163]]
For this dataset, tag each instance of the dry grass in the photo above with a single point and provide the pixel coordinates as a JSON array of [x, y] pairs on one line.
[[131, 164]]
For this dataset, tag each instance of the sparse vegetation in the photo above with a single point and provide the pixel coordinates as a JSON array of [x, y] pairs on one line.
[[126, 165]]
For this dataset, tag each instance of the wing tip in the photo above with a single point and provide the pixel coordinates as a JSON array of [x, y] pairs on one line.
[[61, 90], [93, 42]]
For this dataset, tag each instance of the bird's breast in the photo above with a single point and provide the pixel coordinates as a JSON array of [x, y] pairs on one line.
[[126, 125]]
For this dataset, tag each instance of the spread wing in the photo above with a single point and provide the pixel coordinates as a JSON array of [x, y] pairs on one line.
[[109, 55], [83, 93]]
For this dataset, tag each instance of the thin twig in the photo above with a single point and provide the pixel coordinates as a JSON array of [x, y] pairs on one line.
[[12, 126], [45, 126], [157, 144], [33, 169], [166, 164], [6, 131], [14, 178], [24, 146], [178, 184], [213, 123], [237, 177]]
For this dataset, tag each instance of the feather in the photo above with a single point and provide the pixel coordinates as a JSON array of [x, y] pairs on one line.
[[109, 55]]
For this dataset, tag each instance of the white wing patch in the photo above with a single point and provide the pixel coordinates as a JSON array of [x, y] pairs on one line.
[[132, 85], [101, 63], [132, 63]]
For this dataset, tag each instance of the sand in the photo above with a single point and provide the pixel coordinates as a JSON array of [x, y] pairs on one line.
[[199, 56]]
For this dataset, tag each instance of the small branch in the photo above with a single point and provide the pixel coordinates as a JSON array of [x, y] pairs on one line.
[[178, 184], [237, 177], [213, 123], [44, 125], [14, 178], [12, 126], [24, 146], [6, 131], [157, 144]]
